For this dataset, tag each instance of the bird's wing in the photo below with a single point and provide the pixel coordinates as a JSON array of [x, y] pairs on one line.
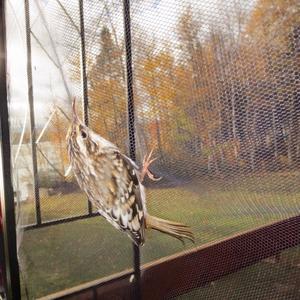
[[126, 209]]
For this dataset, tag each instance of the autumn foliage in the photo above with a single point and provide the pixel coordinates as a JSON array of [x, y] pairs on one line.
[[218, 99]]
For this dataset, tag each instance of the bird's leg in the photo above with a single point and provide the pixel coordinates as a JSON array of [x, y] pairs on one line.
[[147, 161]]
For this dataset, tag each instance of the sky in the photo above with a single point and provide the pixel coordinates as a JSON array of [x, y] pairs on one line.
[[156, 18]]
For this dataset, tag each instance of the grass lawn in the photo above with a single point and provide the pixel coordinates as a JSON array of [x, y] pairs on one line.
[[62, 256]]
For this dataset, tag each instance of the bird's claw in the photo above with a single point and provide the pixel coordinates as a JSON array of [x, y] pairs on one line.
[[147, 161]]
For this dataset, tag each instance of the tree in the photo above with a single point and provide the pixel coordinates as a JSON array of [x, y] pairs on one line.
[[57, 135], [202, 103], [273, 26], [107, 91]]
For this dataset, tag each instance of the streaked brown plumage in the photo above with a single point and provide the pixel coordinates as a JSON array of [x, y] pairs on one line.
[[112, 182]]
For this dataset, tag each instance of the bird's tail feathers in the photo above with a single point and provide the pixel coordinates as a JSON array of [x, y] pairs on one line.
[[177, 230]]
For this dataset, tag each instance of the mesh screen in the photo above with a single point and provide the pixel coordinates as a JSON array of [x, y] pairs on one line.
[[273, 278], [216, 93], [53, 258]]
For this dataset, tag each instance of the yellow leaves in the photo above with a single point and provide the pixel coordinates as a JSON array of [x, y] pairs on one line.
[[106, 90], [188, 29], [272, 22], [163, 61], [157, 77], [108, 109], [57, 135]]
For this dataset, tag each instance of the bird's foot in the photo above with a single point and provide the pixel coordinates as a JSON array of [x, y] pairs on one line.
[[147, 161]]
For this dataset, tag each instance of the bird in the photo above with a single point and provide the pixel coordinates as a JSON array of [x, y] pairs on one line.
[[113, 184]]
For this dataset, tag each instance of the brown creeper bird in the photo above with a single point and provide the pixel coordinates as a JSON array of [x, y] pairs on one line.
[[113, 183]]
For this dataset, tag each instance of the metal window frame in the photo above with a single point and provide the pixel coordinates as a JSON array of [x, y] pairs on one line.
[[11, 266], [131, 130]]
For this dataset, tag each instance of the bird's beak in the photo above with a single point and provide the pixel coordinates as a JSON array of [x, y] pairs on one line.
[[74, 113]]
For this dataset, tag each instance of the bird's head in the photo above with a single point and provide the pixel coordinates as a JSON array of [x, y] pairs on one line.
[[80, 137], [83, 141]]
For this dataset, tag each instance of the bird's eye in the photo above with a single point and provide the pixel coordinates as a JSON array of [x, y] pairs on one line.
[[83, 134]]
